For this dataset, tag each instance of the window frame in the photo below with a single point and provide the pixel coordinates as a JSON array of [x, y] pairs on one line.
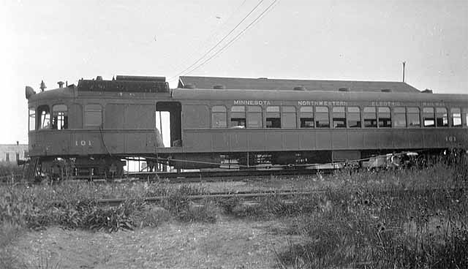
[[339, 115], [453, 117], [237, 122], [252, 113], [32, 119], [410, 114], [288, 117], [373, 120], [59, 116], [273, 117], [427, 117], [303, 117], [218, 115], [397, 115], [384, 122], [443, 118], [318, 117]]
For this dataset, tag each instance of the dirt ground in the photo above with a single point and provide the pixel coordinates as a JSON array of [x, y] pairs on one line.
[[228, 243]]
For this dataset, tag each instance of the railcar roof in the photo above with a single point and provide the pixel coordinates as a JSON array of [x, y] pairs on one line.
[[289, 84], [283, 95]]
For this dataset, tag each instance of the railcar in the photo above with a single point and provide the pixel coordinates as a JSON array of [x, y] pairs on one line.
[[92, 128]]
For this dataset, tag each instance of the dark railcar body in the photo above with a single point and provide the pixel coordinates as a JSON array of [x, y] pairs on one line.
[[114, 120]]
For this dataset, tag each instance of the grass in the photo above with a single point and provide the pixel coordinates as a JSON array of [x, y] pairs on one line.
[[398, 219]]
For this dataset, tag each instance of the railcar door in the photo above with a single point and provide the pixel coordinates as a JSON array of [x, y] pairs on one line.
[[168, 124]]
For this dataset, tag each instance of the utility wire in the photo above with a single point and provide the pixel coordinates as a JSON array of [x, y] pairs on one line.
[[214, 33], [219, 42], [269, 8]]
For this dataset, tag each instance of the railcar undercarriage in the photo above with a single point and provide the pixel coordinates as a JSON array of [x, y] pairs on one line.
[[112, 167]]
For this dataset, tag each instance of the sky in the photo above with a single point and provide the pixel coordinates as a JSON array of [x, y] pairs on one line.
[[290, 39]]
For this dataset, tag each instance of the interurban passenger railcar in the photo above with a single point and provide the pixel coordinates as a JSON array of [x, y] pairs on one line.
[[95, 126]]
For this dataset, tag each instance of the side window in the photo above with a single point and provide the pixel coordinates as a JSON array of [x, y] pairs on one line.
[[307, 117], [465, 116], [399, 117], [455, 115], [32, 119], [238, 117], [428, 117], [218, 117], [44, 117], [288, 117], [339, 117], [412, 115], [273, 119], [322, 119], [59, 117], [441, 117], [93, 115], [385, 119], [354, 117], [254, 117], [370, 117]]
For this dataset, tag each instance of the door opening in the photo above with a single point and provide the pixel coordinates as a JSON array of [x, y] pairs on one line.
[[168, 124]]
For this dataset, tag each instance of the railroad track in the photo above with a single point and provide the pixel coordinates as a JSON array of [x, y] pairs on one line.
[[219, 195], [252, 195]]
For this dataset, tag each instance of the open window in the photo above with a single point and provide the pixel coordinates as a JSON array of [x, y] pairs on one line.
[[441, 117], [168, 124], [456, 117], [385, 118], [238, 117], [307, 117], [339, 117], [273, 119], [354, 117], [370, 117], [44, 117], [322, 118], [59, 117], [428, 117]]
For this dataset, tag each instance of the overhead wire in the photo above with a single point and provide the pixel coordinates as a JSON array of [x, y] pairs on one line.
[[213, 34], [219, 42], [269, 8]]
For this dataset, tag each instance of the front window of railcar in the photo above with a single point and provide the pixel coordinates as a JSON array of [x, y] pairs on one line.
[[456, 117], [32, 119], [59, 117], [93, 115], [44, 117]]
